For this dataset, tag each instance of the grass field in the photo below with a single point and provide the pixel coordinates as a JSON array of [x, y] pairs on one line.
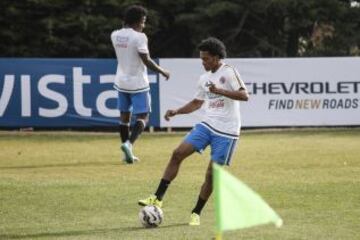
[[67, 185]]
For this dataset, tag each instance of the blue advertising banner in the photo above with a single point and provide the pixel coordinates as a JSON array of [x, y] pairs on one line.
[[60, 93]]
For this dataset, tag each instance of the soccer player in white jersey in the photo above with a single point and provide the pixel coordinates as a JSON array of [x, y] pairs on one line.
[[131, 48], [219, 91]]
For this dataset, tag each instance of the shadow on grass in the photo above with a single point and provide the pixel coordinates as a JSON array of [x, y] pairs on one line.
[[64, 165], [57, 234], [129, 229], [79, 233]]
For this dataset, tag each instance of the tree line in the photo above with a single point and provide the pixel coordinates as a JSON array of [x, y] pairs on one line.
[[257, 28]]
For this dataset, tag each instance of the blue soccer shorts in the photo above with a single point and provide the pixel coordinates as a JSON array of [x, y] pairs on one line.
[[222, 148], [134, 102]]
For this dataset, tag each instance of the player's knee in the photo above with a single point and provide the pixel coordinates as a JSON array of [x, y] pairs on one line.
[[143, 116], [142, 121], [177, 156], [208, 177], [125, 118]]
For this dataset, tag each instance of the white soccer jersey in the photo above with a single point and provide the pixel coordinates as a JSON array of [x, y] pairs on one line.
[[222, 114], [131, 73]]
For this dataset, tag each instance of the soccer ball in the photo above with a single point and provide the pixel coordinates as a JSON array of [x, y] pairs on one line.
[[150, 216]]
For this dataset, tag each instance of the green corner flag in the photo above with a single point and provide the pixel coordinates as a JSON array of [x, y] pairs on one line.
[[237, 206]]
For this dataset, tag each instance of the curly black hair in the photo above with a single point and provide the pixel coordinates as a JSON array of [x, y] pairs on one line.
[[214, 46], [134, 14]]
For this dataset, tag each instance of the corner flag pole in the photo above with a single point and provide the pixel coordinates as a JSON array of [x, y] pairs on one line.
[[216, 185], [218, 236]]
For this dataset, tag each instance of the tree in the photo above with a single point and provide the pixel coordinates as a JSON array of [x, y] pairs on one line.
[[257, 28]]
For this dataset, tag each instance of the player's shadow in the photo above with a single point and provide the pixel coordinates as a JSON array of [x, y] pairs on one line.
[[85, 164], [175, 225], [59, 234], [129, 229], [79, 233]]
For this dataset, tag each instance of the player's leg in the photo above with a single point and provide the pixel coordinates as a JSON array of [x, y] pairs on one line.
[[124, 105], [139, 126], [141, 103], [205, 192], [172, 169], [137, 129], [196, 140], [222, 149], [126, 145], [124, 126], [141, 108], [178, 155]]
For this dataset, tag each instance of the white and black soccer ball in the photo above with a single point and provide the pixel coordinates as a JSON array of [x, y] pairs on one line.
[[151, 216]]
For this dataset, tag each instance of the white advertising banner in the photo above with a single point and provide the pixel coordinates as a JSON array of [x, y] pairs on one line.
[[283, 92]]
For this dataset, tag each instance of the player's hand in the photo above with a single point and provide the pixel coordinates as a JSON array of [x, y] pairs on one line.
[[169, 114], [212, 87], [166, 74]]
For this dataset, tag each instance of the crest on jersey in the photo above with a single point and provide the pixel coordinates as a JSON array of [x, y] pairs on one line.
[[222, 80], [208, 83]]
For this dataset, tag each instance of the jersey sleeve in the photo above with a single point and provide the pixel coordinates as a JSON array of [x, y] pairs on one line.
[[236, 82], [200, 92], [113, 37], [142, 44]]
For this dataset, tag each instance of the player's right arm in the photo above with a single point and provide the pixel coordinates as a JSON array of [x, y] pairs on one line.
[[190, 107]]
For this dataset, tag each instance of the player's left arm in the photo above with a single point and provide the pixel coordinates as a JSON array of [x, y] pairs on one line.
[[234, 87], [145, 57], [241, 94], [144, 54]]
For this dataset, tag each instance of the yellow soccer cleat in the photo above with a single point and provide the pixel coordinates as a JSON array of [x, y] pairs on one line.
[[194, 219], [152, 200]]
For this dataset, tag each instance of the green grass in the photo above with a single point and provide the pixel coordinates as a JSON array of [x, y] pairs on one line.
[[73, 185]]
